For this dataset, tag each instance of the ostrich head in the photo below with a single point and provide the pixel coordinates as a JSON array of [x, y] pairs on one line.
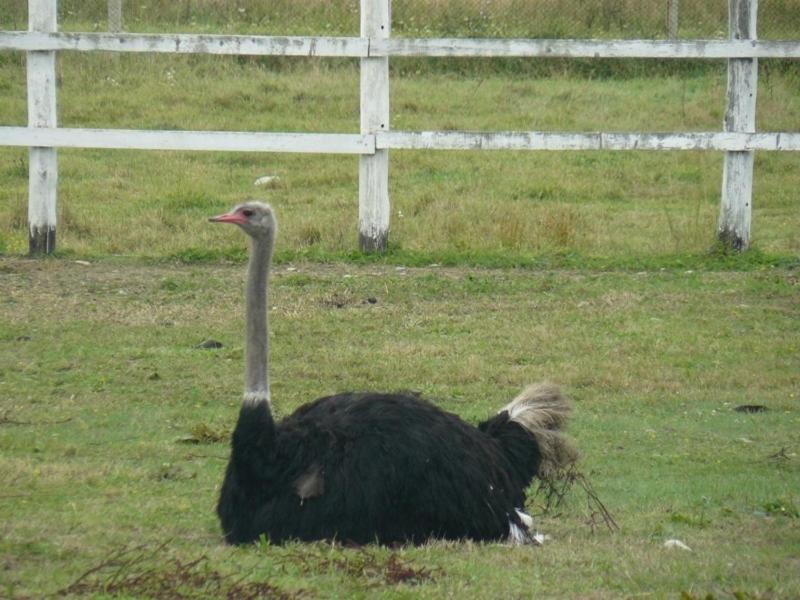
[[255, 218], [257, 221]]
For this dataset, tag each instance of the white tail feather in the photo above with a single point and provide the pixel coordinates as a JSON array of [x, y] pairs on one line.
[[542, 410], [523, 533]]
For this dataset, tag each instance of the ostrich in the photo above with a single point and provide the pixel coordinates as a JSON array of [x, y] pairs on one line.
[[375, 467]]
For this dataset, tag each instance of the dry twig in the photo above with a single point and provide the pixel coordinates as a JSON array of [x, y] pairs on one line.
[[142, 572], [556, 487], [5, 420]]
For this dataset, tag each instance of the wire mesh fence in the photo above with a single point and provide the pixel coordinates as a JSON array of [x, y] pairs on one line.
[[649, 19], [625, 19]]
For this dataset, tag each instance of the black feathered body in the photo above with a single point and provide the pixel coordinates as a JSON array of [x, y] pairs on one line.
[[370, 467]]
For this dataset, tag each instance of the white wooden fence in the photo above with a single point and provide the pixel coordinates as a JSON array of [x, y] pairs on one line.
[[374, 47]]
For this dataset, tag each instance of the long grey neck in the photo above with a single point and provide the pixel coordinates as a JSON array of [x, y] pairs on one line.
[[256, 388]]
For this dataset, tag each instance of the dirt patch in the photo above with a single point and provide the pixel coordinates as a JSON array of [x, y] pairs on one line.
[[393, 570], [202, 433], [361, 563]]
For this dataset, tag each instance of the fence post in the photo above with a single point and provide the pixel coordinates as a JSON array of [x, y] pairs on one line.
[[373, 171], [740, 116], [114, 16], [43, 162], [672, 19]]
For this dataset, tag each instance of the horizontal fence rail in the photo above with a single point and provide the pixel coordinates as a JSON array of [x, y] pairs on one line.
[[534, 140], [353, 47], [221, 141], [186, 43], [374, 46], [509, 48], [367, 144]]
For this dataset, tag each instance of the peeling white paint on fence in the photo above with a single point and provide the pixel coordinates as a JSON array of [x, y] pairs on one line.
[[565, 48], [373, 171], [540, 140], [187, 44], [369, 144], [42, 112], [369, 46], [740, 115]]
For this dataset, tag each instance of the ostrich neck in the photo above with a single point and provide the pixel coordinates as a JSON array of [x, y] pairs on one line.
[[257, 345]]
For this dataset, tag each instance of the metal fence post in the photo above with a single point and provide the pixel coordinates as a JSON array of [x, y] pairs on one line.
[[740, 116], [43, 162], [373, 180]]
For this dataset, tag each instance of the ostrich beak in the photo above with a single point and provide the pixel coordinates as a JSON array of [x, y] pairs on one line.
[[229, 218]]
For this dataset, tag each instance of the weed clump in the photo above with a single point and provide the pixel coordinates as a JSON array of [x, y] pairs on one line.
[[142, 573], [203, 433], [361, 563]]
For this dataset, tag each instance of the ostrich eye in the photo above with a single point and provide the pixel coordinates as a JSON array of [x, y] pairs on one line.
[[247, 212]]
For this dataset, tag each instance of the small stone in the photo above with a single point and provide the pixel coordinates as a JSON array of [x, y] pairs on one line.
[[541, 538], [677, 544], [266, 180], [209, 344]]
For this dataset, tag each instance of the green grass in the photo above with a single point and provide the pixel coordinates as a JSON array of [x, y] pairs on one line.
[[597, 205], [102, 385]]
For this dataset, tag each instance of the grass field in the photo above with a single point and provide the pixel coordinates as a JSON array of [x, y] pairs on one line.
[[594, 270], [114, 423]]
